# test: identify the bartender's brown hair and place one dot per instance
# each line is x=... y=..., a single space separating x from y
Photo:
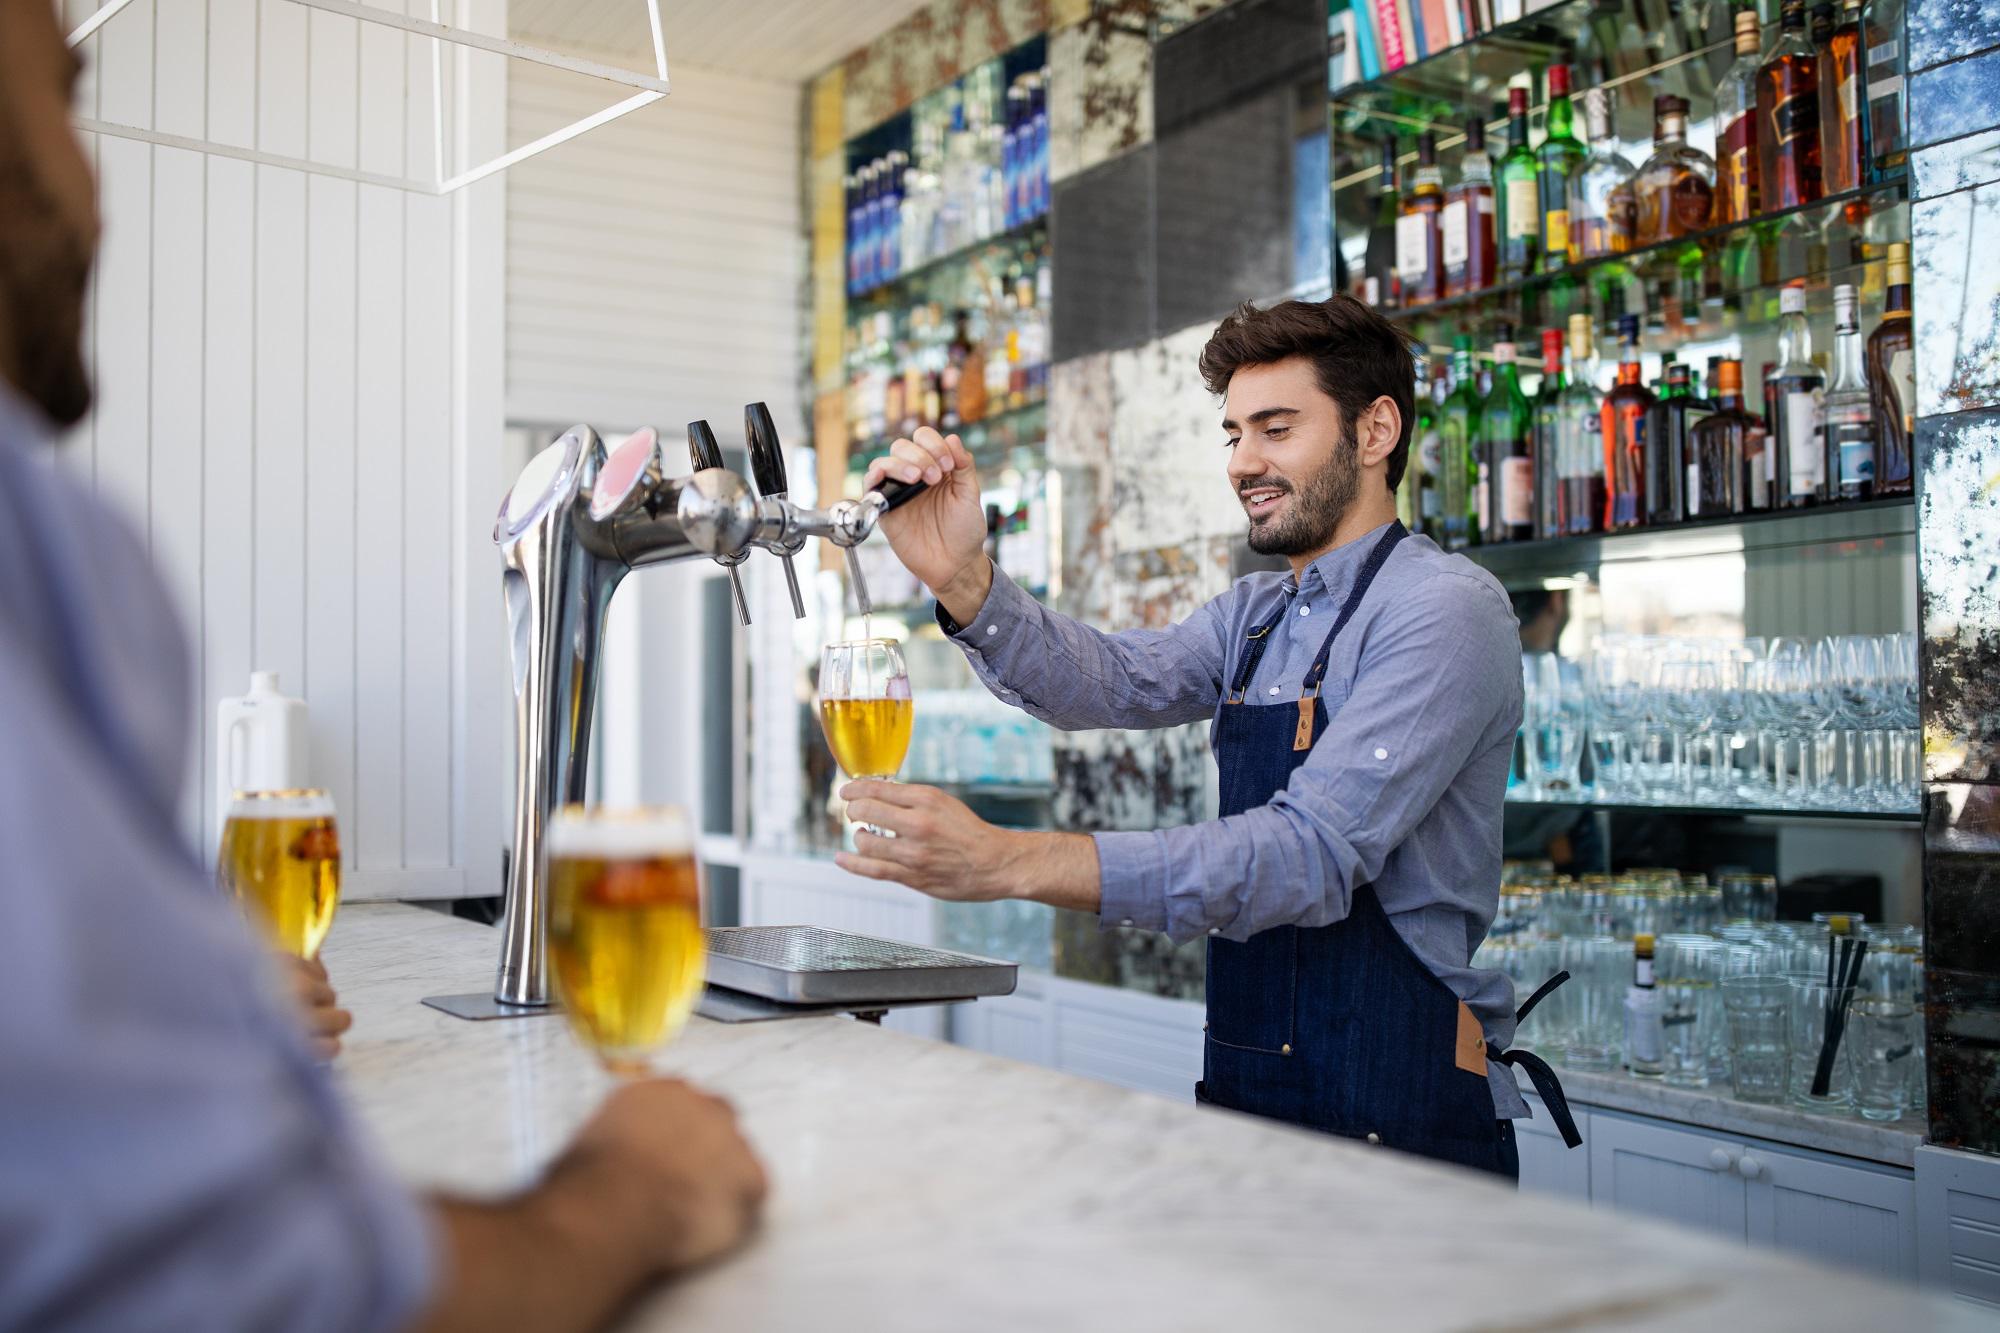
x=1359 y=357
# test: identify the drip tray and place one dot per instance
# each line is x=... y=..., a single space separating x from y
x=834 y=971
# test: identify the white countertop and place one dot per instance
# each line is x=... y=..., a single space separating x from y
x=922 y=1186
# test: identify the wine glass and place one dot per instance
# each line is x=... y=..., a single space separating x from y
x=280 y=859
x=1617 y=706
x=1685 y=686
x=1560 y=715
x=866 y=707
x=1865 y=698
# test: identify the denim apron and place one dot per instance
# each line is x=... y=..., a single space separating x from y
x=1342 y=1028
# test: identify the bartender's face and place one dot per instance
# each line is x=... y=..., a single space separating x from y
x=1293 y=461
x=48 y=215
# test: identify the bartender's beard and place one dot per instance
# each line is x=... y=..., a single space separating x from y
x=1317 y=505
x=44 y=276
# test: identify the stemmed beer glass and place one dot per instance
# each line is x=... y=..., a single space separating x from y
x=280 y=858
x=866 y=706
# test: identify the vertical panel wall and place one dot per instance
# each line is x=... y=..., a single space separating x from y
x=292 y=414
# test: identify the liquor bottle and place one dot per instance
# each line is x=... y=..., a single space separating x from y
x=1519 y=224
x=1378 y=266
x=1602 y=210
x=1760 y=479
x=1466 y=225
x=1719 y=449
x=1674 y=415
x=1580 y=438
x=1887 y=139
x=1417 y=497
x=1507 y=448
x=1843 y=120
x=1892 y=382
x=1645 y=1032
x=1013 y=143
x=853 y=188
x=1548 y=436
x=1788 y=137
x=1820 y=31
x=1038 y=142
x=1623 y=417
x=889 y=224
x=1798 y=467
x=1850 y=417
x=1419 y=254
x=1458 y=471
x=1676 y=186
x=1559 y=159
x=1736 y=119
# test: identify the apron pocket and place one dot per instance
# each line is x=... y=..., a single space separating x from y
x=1253 y=991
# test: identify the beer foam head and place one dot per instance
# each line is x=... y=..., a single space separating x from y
x=290 y=803
x=619 y=835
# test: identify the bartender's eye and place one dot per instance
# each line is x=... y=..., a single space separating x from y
x=1232 y=441
x=1278 y=432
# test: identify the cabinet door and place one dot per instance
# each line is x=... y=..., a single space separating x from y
x=1677 y=1175
x=1858 y=1217
x=1548 y=1165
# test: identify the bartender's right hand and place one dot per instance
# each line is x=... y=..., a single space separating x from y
x=941 y=535
x=676 y=1152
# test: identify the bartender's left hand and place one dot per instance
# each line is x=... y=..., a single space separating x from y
x=940 y=846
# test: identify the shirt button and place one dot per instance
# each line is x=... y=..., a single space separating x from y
x=1305 y=610
x=1374 y=1138
x=1274 y=689
x=1126 y=922
x=1213 y=930
x=992 y=630
x=1381 y=753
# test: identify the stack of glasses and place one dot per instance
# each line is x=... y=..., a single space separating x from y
x=1795 y=724
x=1823 y=1014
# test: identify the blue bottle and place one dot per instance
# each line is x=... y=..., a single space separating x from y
x=1038 y=120
x=890 y=225
x=853 y=233
x=1014 y=148
x=871 y=219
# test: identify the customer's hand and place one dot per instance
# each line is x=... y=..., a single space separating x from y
x=319 y=1007
x=941 y=535
x=676 y=1153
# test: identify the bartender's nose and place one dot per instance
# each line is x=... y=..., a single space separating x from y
x=1246 y=460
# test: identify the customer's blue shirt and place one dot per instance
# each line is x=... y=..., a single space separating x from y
x=1403 y=790
x=170 y=1155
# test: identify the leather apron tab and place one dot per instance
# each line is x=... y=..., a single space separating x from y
x=1303 y=738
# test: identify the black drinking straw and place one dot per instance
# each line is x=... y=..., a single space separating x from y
x=1851 y=953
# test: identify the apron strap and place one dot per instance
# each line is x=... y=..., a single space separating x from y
x=1377 y=556
x=1260 y=639
x=1541 y=993
x=1546 y=1086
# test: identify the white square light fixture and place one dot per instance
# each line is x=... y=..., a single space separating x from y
x=652 y=87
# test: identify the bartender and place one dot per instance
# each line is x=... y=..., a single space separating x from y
x=1363 y=712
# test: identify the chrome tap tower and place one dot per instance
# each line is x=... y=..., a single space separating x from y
x=576 y=520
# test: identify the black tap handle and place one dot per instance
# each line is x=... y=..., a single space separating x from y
x=767 y=459
x=896 y=494
x=703 y=451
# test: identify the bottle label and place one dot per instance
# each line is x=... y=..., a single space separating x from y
x=1694 y=489
x=1483 y=507
x=1736 y=170
x=1517 y=491
x=1430 y=453
x=1806 y=464
x=1371 y=290
x=1523 y=210
x=1455 y=239
x=1555 y=231
x=1850 y=98
x=1854 y=444
x=1795 y=118
x=1903 y=384
x=1412 y=245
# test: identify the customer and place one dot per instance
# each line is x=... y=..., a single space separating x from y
x=171 y=1155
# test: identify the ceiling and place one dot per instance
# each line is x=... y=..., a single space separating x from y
x=785 y=40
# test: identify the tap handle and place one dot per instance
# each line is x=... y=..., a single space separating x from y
x=767 y=459
x=705 y=453
x=895 y=494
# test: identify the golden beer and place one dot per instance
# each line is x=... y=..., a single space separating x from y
x=280 y=856
x=868 y=737
x=625 y=941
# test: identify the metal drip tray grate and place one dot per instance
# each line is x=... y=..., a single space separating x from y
x=812 y=965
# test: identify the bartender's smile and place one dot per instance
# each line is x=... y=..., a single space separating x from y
x=1262 y=499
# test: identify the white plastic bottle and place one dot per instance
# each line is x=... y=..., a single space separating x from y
x=260 y=744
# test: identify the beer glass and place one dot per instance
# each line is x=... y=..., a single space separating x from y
x=280 y=857
x=625 y=943
x=865 y=706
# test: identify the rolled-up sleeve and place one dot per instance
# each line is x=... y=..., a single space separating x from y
x=1438 y=680
x=1076 y=678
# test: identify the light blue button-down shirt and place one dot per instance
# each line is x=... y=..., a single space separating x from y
x=1403 y=790
x=170 y=1156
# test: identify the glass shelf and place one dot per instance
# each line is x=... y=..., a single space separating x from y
x=1478 y=67
x=1911 y=816
x=1026 y=425
x=900 y=290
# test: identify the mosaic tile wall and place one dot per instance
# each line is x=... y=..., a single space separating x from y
x=1955 y=228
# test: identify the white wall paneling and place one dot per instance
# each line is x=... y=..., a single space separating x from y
x=1958 y=1225
x=299 y=401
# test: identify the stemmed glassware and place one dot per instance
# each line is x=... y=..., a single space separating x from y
x=866 y=707
x=1687 y=685
x=1617 y=676
x=1557 y=719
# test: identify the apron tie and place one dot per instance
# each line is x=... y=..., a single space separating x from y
x=1544 y=1078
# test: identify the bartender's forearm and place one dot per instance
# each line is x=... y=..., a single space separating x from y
x=1059 y=869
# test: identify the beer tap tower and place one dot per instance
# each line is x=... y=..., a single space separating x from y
x=577 y=519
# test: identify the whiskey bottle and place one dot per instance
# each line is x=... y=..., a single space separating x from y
x=1623 y=419
x=1720 y=448
x=1602 y=211
x=1419 y=257
x=1466 y=225
x=1560 y=158
x=1788 y=133
x=1378 y=266
x=1850 y=419
x=1887 y=139
x=1580 y=438
x=1676 y=186
x=1507 y=440
x=1842 y=111
x=1798 y=394
x=1892 y=383
x=1519 y=224
x=1458 y=471
x=1548 y=436
x=1736 y=122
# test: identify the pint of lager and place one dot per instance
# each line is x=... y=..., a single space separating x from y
x=280 y=856
x=625 y=942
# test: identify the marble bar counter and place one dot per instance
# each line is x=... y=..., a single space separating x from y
x=922 y=1186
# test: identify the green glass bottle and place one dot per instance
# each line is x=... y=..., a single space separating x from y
x=1561 y=157
x=1507 y=451
x=1417 y=496
x=1518 y=218
x=1548 y=434
x=1458 y=470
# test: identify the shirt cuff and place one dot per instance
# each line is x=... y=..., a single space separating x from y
x=1003 y=605
x=1132 y=880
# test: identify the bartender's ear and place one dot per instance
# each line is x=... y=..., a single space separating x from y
x=1376 y=430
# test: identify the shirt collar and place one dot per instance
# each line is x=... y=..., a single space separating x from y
x=1334 y=573
x=21 y=422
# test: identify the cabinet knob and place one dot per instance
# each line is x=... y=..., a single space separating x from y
x=1720 y=1160
x=1749 y=1167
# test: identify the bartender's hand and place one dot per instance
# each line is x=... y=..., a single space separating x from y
x=320 y=1008
x=945 y=850
x=941 y=535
